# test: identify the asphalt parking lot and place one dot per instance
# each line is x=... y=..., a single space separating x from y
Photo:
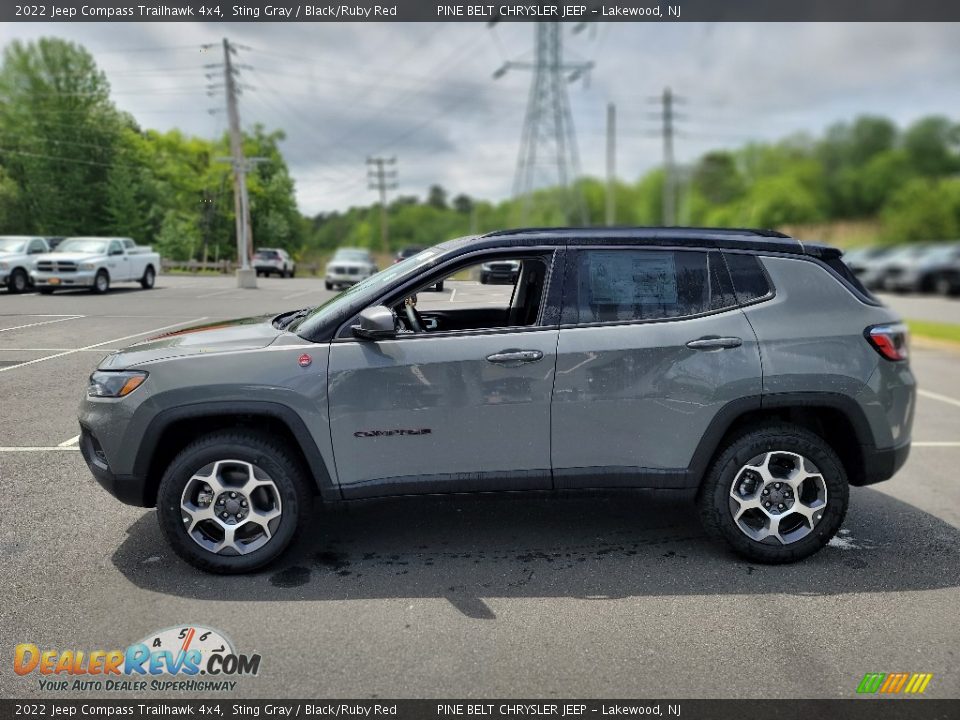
x=616 y=596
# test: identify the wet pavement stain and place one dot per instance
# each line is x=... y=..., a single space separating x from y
x=291 y=577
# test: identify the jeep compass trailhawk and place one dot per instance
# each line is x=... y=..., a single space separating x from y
x=744 y=368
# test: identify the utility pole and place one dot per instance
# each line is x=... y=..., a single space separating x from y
x=611 y=163
x=668 y=117
x=246 y=277
x=381 y=179
x=548 y=144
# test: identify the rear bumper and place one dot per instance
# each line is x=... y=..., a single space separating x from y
x=881 y=464
x=129 y=489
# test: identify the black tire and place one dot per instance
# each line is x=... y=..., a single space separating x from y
x=484 y=279
x=18 y=282
x=149 y=278
x=262 y=450
x=439 y=286
x=101 y=283
x=328 y=285
x=714 y=501
x=293 y=272
x=45 y=290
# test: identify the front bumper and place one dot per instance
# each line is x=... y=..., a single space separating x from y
x=129 y=489
x=81 y=278
x=344 y=279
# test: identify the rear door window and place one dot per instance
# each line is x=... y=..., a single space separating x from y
x=628 y=285
x=749 y=280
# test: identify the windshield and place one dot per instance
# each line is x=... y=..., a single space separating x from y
x=351 y=255
x=367 y=287
x=82 y=245
x=12 y=244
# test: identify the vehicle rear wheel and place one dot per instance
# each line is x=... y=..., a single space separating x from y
x=101 y=283
x=775 y=494
x=293 y=272
x=439 y=286
x=18 y=281
x=232 y=501
x=944 y=287
x=149 y=278
x=328 y=285
x=484 y=279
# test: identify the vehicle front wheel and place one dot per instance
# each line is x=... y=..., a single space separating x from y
x=149 y=278
x=232 y=501
x=328 y=285
x=775 y=494
x=18 y=282
x=101 y=283
x=439 y=286
x=484 y=279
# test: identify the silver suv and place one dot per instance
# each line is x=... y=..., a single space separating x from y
x=743 y=369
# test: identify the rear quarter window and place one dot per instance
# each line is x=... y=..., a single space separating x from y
x=750 y=282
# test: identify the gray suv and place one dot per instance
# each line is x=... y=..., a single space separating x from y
x=743 y=369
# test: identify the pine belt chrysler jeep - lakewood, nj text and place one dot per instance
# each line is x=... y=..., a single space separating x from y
x=743 y=368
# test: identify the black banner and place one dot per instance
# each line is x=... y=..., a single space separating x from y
x=480 y=11
x=774 y=709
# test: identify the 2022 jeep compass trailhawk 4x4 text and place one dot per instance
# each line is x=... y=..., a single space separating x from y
x=744 y=368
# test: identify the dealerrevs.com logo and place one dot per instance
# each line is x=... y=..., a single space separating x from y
x=894 y=683
x=187 y=658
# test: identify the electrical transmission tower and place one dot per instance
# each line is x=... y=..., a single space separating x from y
x=381 y=179
x=548 y=145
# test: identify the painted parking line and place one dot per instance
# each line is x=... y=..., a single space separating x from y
x=937 y=396
x=44 y=322
x=311 y=291
x=218 y=292
x=102 y=344
x=54 y=448
x=934 y=444
x=72 y=441
x=56 y=350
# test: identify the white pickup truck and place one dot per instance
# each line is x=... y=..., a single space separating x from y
x=95 y=263
x=18 y=257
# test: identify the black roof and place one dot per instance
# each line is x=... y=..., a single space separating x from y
x=730 y=238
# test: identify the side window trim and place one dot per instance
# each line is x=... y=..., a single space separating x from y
x=555 y=257
x=570 y=316
x=771 y=288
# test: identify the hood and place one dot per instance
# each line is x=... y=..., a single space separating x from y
x=217 y=337
x=348 y=263
x=69 y=256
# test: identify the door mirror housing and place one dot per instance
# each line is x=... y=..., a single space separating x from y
x=376 y=323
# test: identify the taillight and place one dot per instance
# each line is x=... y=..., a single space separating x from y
x=889 y=340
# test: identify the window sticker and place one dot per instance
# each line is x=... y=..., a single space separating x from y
x=637 y=278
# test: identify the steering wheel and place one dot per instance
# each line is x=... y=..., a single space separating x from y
x=414 y=320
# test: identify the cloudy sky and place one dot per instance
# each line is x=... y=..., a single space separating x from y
x=425 y=92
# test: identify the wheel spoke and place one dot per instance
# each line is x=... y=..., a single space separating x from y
x=197 y=515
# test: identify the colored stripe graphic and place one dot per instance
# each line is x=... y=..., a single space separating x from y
x=894 y=683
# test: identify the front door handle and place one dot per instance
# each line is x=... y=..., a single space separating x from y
x=513 y=358
x=715 y=343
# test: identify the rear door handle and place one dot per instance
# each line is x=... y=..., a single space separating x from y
x=715 y=343
x=513 y=358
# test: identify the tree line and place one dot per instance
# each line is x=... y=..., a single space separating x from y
x=72 y=163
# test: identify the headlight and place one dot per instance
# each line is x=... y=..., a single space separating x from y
x=87 y=266
x=115 y=384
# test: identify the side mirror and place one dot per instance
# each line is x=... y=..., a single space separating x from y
x=116 y=252
x=376 y=323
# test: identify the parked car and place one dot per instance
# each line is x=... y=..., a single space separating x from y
x=409 y=252
x=95 y=263
x=348 y=267
x=880 y=268
x=626 y=358
x=859 y=260
x=921 y=272
x=504 y=272
x=18 y=257
x=274 y=261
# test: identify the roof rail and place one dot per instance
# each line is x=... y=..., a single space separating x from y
x=761 y=232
